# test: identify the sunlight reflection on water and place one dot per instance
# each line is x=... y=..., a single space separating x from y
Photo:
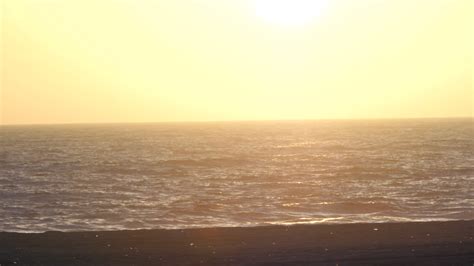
x=108 y=177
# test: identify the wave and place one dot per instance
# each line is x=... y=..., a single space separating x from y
x=208 y=162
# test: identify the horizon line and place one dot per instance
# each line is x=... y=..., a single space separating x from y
x=232 y=121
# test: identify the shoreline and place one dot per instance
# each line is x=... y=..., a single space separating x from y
x=421 y=243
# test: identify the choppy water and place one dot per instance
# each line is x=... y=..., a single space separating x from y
x=107 y=177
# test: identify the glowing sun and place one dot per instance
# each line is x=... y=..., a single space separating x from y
x=290 y=12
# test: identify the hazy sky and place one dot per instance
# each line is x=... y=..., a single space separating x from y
x=67 y=61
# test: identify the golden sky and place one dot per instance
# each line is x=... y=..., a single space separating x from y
x=76 y=61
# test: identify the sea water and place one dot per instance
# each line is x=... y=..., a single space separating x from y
x=183 y=175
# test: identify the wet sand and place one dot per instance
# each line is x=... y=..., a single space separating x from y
x=430 y=243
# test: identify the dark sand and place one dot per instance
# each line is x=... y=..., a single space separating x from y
x=432 y=243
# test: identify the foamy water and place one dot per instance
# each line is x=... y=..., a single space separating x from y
x=108 y=177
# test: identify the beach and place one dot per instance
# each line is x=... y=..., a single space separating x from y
x=259 y=132
x=423 y=243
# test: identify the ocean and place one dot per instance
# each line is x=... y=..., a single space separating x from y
x=225 y=174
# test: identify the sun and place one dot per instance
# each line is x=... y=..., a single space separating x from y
x=290 y=12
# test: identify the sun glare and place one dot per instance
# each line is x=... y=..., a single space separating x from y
x=289 y=12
